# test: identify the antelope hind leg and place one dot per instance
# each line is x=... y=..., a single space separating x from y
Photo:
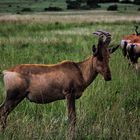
x=13 y=98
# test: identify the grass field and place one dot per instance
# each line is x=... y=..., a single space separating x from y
x=15 y=6
x=107 y=110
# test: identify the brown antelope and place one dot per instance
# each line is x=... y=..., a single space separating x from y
x=130 y=45
x=133 y=53
x=47 y=83
x=132 y=38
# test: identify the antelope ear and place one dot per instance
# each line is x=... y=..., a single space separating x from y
x=94 y=49
x=131 y=50
x=97 y=52
x=124 y=45
x=111 y=50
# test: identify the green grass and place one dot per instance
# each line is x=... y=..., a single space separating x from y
x=16 y=6
x=107 y=110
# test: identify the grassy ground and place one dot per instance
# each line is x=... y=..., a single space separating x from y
x=106 y=111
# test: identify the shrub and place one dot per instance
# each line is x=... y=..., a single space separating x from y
x=92 y=3
x=113 y=7
x=137 y=2
x=26 y=9
x=18 y=12
x=126 y=1
x=85 y=7
x=53 y=9
x=73 y=4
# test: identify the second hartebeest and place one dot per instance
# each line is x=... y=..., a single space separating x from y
x=130 y=45
x=42 y=83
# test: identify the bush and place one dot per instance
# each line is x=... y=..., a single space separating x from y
x=93 y=4
x=137 y=2
x=126 y=1
x=26 y=9
x=85 y=7
x=53 y=9
x=112 y=7
x=18 y=12
x=106 y=1
x=73 y=5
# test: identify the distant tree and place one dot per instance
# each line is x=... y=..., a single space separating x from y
x=113 y=7
x=103 y=1
x=92 y=3
x=125 y=1
x=76 y=4
x=73 y=4
x=137 y=2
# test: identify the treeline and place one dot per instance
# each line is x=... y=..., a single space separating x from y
x=88 y=4
x=123 y=1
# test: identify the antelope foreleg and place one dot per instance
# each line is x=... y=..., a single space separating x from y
x=70 y=97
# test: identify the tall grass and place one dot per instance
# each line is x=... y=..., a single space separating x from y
x=107 y=110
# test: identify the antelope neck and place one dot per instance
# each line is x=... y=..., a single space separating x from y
x=88 y=70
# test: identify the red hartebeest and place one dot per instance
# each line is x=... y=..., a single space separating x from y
x=47 y=83
x=130 y=45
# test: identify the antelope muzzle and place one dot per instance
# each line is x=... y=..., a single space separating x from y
x=108 y=76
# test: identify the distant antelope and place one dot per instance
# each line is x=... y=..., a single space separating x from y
x=130 y=45
x=47 y=83
x=132 y=38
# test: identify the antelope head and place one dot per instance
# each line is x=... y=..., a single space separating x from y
x=102 y=54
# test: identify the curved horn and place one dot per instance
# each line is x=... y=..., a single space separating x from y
x=104 y=32
x=108 y=37
x=100 y=44
x=100 y=34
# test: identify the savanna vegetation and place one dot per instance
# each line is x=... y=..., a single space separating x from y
x=107 y=110
x=32 y=6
